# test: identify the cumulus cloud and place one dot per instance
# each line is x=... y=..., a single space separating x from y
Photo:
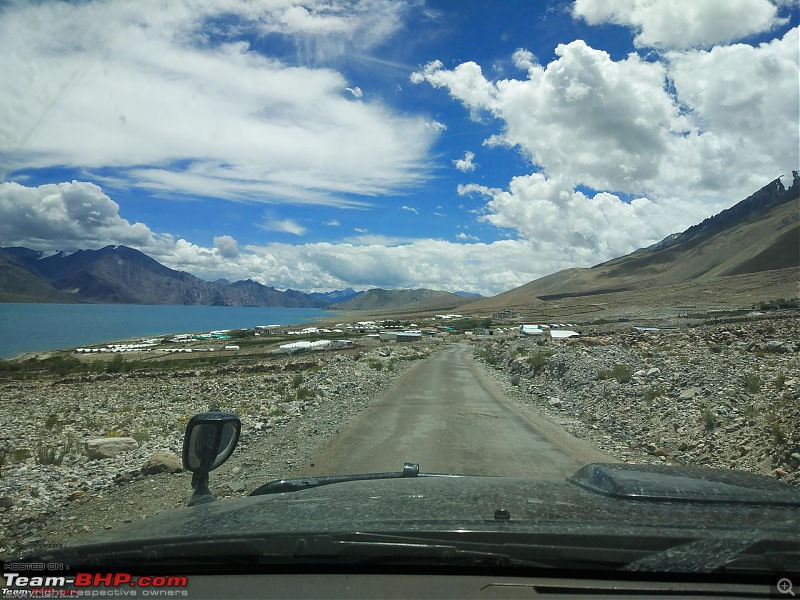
x=681 y=24
x=685 y=135
x=410 y=209
x=465 y=165
x=108 y=85
x=744 y=103
x=67 y=216
x=226 y=246
x=607 y=122
x=562 y=224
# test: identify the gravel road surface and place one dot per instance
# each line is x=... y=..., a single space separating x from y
x=448 y=417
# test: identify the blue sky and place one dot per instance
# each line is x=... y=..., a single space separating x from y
x=320 y=145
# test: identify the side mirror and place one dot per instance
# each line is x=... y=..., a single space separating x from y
x=209 y=441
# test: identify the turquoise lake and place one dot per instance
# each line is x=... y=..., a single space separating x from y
x=40 y=327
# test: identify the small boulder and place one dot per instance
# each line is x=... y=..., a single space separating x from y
x=162 y=462
x=109 y=447
x=690 y=393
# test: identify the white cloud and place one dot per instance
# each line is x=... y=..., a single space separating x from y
x=226 y=246
x=284 y=226
x=689 y=134
x=67 y=216
x=466 y=237
x=375 y=239
x=109 y=85
x=745 y=105
x=356 y=91
x=562 y=225
x=70 y=216
x=410 y=209
x=360 y=230
x=603 y=123
x=465 y=165
x=679 y=24
x=332 y=223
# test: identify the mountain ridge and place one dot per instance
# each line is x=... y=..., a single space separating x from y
x=758 y=234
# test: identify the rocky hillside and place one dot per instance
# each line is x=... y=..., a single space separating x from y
x=722 y=395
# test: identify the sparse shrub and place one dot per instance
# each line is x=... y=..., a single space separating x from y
x=621 y=373
x=752 y=382
x=115 y=365
x=602 y=375
x=112 y=434
x=47 y=454
x=780 y=381
x=778 y=432
x=277 y=411
x=708 y=417
x=303 y=393
x=538 y=360
x=141 y=436
x=297 y=380
x=51 y=422
x=20 y=455
x=780 y=303
x=652 y=392
x=375 y=364
x=515 y=380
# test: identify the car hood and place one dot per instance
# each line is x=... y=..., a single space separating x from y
x=618 y=498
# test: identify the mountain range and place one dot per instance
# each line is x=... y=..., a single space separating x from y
x=118 y=274
x=760 y=234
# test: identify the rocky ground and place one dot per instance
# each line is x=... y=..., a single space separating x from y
x=722 y=395
x=60 y=478
x=718 y=394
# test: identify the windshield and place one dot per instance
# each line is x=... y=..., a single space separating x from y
x=492 y=239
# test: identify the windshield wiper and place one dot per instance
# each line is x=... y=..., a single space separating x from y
x=300 y=549
x=281 y=486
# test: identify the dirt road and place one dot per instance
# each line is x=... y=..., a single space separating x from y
x=446 y=415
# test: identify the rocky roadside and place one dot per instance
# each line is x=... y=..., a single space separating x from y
x=90 y=452
x=720 y=395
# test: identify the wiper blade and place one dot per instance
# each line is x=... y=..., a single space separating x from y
x=297 y=549
x=281 y=486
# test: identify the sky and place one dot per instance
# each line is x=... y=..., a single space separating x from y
x=450 y=144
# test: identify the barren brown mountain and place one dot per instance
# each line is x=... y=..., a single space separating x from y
x=746 y=254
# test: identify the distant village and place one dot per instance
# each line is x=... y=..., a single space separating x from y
x=324 y=338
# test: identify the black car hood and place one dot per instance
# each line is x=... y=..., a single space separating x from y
x=618 y=498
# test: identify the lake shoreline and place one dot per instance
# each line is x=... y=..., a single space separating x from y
x=42 y=328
